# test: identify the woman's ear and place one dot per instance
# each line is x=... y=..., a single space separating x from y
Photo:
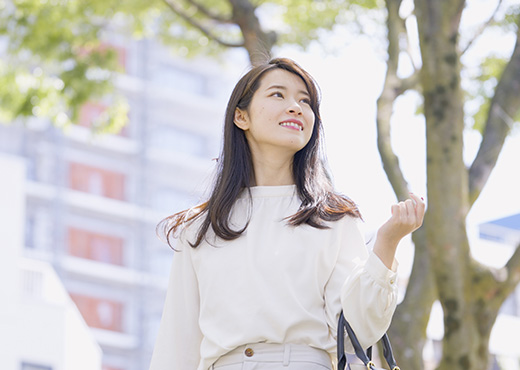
x=241 y=119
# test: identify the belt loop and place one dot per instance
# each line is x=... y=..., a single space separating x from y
x=286 y=354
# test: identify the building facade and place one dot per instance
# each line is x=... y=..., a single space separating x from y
x=92 y=202
x=42 y=328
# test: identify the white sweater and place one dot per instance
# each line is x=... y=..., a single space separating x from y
x=276 y=283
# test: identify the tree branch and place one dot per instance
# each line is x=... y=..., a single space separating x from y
x=482 y=28
x=386 y=101
x=217 y=17
x=408 y=83
x=504 y=105
x=181 y=13
x=504 y=281
x=257 y=42
x=513 y=270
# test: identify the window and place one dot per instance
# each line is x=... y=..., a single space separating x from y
x=39 y=228
x=97 y=181
x=95 y=246
x=29 y=366
x=100 y=313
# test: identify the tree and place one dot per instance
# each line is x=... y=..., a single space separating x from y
x=47 y=64
x=470 y=294
x=55 y=60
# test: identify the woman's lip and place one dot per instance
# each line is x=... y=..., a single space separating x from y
x=298 y=122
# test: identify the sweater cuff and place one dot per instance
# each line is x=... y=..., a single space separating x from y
x=380 y=273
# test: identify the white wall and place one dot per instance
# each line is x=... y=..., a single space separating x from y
x=12 y=207
x=38 y=320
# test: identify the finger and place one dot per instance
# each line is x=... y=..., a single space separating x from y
x=403 y=212
x=410 y=211
x=420 y=206
x=410 y=208
x=395 y=210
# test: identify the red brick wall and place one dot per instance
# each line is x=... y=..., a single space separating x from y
x=89 y=112
x=95 y=246
x=100 y=313
x=96 y=181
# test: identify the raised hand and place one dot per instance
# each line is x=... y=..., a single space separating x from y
x=406 y=217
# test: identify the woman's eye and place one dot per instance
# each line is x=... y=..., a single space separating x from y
x=306 y=101
x=277 y=94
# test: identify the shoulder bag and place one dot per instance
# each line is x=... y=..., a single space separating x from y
x=365 y=357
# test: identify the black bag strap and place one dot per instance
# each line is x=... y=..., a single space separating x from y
x=365 y=357
x=342 y=357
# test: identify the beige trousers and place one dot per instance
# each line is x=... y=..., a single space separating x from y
x=265 y=356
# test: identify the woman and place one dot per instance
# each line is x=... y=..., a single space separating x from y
x=263 y=269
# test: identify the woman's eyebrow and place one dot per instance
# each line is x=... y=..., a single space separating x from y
x=280 y=87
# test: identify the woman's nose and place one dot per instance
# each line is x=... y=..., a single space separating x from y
x=295 y=108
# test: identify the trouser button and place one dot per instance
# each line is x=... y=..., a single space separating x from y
x=249 y=352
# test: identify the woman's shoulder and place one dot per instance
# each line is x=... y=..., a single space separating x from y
x=182 y=226
x=346 y=222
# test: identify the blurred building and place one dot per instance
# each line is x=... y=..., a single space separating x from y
x=500 y=237
x=41 y=328
x=91 y=203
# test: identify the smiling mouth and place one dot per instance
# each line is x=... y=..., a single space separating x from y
x=292 y=125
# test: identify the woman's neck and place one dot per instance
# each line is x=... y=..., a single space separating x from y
x=272 y=170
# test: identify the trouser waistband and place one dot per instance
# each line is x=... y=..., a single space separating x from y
x=268 y=352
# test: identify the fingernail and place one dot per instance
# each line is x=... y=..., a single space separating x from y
x=422 y=198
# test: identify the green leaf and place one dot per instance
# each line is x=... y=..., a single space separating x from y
x=481 y=89
x=57 y=59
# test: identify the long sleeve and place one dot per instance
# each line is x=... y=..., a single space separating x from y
x=372 y=286
x=362 y=286
x=178 y=341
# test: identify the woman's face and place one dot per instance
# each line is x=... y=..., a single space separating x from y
x=279 y=117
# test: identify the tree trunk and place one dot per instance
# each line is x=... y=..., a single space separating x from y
x=448 y=204
x=257 y=42
x=408 y=330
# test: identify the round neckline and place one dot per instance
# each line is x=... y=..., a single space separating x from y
x=270 y=191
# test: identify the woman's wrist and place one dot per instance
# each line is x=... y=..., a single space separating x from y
x=385 y=249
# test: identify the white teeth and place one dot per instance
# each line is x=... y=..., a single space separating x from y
x=292 y=124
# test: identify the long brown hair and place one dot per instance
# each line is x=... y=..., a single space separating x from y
x=319 y=201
